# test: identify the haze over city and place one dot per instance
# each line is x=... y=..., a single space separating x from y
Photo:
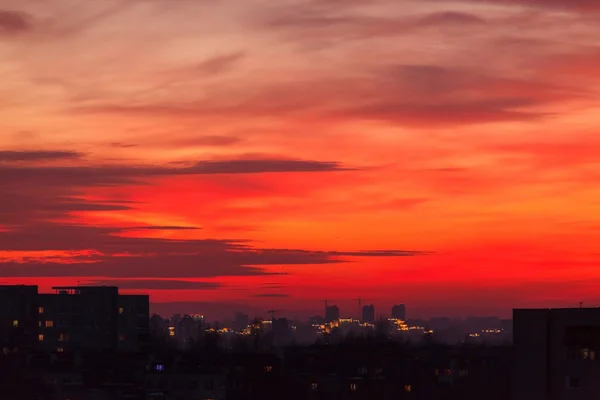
x=250 y=155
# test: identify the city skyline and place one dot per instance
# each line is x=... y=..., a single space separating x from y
x=221 y=156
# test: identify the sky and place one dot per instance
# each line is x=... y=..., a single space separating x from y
x=259 y=154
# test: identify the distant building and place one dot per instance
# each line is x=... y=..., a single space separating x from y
x=332 y=313
x=368 y=314
x=75 y=318
x=187 y=331
x=556 y=354
x=159 y=327
x=282 y=332
x=240 y=321
x=399 y=312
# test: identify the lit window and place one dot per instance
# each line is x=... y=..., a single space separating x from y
x=40 y=324
x=60 y=350
x=314 y=386
x=408 y=388
x=268 y=368
x=63 y=337
x=41 y=310
x=121 y=310
x=121 y=337
x=353 y=387
x=41 y=337
x=15 y=323
x=160 y=367
x=49 y=324
x=171 y=331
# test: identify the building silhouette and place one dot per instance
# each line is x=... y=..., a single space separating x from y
x=18 y=316
x=556 y=353
x=332 y=313
x=368 y=314
x=73 y=318
x=240 y=321
x=399 y=312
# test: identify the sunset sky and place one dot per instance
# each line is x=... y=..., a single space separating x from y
x=257 y=154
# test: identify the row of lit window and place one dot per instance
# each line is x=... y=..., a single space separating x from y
x=354 y=387
x=64 y=337
x=47 y=324
x=41 y=310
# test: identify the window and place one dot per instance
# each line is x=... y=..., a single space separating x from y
x=408 y=388
x=41 y=337
x=353 y=387
x=60 y=350
x=268 y=368
x=314 y=386
x=16 y=323
x=40 y=324
x=159 y=367
x=121 y=310
x=121 y=337
x=63 y=337
x=574 y=382
x=41 y=310
x=49 y=324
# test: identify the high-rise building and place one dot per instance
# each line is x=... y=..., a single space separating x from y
x=240 y=321
x=19 y=316
x=332 y=313
x=556 y=354
x=75 y=318
x=134 y=320
x=79 y=317
x=282 y=332
x=399 y=312
x=368 y=314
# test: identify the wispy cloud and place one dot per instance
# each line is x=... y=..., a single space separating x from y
x=13 y=22
x=156 y=284
x=38 y=155
x=271 y=295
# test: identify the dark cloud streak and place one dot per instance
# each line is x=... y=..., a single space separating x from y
x=13 y=22
x=157 y=284
x=38 y=155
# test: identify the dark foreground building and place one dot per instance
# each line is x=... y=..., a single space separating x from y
x=75 y=318
x=556 y=354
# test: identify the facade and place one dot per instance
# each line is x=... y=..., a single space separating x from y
x=368 y=314
x=556 y=354
x=399 y=312
x=73 y=318
x=18 y=316
x=78 y=317
x=134 y=323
